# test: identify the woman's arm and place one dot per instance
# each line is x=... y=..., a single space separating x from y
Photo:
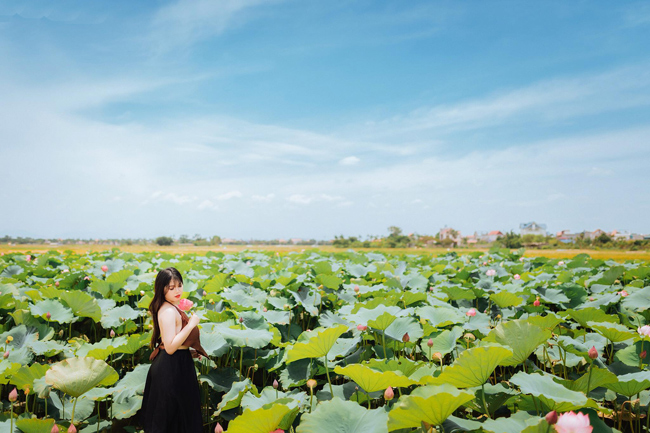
x=167 y=323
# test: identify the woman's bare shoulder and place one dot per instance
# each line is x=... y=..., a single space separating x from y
x=167 y=312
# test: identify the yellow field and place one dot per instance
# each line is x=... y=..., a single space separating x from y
x=620 y=256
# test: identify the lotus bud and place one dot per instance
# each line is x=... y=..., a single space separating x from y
x=389 y=394
x=537 y=303
x=591 y=298
x=48 y=315
x=141 y=292
x=26 y=391
x=437 y=356
x=491 y=272
x=205 y=293
x=85 y=278
x=430 y=342
x=112 y=333
x=265 y=309
x=56 y=284
x=561 y=263
x=361 y=327
x=28 y=258
x=55 y=429
x=241 y=320
x=623 y=293
x=517 y=277
x=471 y=312
x=593 y=353
x=311 y=384
x=643 y=354
x=320 y=287
x=104 y=268
x=406 y=338
x=5 y=355
x=65 y=270
x=551 y=417
x=273 y=292
x=218 y=428
x=275 y=384
x=286 y=306
x=13 y=395
x=431 y=289
x=356 y=289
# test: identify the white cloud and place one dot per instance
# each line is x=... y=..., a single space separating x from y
x=229 y=195
x=207 y=204
x=300 y=199
x=263 y=198
x=349 y=160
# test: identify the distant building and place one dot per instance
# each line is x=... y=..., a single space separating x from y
x=450 y=233
x=566 y=237
x=593 y=235
x=532 y=228
x=471 y=239
x=619 y=235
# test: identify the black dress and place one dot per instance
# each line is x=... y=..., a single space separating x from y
x=171 y=402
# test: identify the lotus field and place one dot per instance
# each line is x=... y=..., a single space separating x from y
x=341 y=342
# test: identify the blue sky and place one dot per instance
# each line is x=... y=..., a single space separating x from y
x=265 y=119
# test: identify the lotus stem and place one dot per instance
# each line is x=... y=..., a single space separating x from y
x=73 y=407
x=99 y=415
x=11 y=424
x=241 y=359
x=383 y=341
x=485 y=406
x=368 y=397
x=591 y=367
x=327 y=371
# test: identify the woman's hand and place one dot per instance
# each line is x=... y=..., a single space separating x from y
x=194 y=320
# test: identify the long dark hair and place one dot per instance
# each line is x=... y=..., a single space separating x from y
x=160 y=288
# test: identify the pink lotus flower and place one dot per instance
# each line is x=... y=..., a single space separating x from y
x=517 y=277
x=644 y=331
x=185 y=304
x=356 y=289
x=275 y=384
x=13 y=395
x=406 y=338
x=86 y=278
x=591 y=298
x=48 y=315
x=561 y=263
x=112 y=333
x=104 y=268
x=65 y=270
x=571 y=422
x=490 y=272
x=265 y=309
x=536 y=303
x=55 y=429
x=521 y=259
x=278 y=431
x=484 y=263
x=56 y=284
x=623 y=293
x=471 y=312
x=218 y=428
x=72 y=429
x=430 y=342
x=362 y=327
x=593 y=353
x=5 y=355
x=28 y=258
x=389 y=394
x=205 y=293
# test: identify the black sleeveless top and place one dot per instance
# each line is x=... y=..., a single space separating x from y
x=192 y=340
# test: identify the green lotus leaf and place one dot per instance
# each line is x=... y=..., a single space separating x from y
x=519 y=422
x=599 y=377
x=127 y=408
x=58 y=312
x=262 y=420
x=550 y=321
x=82 y=304
x=440 y=316
x=506 y=299
x=365 y=315
x=329 y=281
x=26 y=375
x=382 y=322
x=591 y=314
x=213 y=342
x=630 y=384
x=404 y=325
x=235 y=336
x=443 y=341
x=75 y=376
x=342 y=416
x=432 y=404
x=317 y=346
x=552 y=394
x=473 y=367
x=403 y=365
x=521 y=336
x=117 y=316
x=233 y=397
x=134 y=343
x=34 y=425
x=371 y=380
x=638 y=300
x=612 y=331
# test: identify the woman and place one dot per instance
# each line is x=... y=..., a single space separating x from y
x=171 y=402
